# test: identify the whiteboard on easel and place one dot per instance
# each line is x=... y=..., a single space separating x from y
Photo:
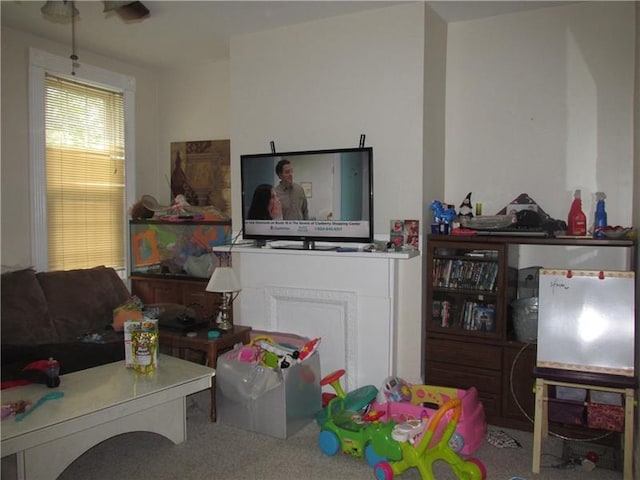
x=586 y=321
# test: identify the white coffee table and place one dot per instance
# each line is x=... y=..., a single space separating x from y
x=99 y=403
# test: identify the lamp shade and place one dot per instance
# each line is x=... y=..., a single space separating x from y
x=223 y=280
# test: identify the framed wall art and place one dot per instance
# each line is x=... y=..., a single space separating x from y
x=201 y=171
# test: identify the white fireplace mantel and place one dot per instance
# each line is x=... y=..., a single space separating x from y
x=348 y=299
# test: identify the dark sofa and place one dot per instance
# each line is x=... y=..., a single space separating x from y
x=48 y=314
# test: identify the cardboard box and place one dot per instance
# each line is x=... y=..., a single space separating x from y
x=273 y=401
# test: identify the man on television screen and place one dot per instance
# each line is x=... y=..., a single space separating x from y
x=292 y=197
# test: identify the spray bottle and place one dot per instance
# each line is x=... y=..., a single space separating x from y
x=577 y=221
x=601 y=216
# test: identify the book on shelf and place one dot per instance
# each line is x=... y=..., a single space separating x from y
x=478 y=316
x=484 y=319
x=464 y=274
x=467 y=315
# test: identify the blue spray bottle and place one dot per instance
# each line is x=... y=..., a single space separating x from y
x=601 y=216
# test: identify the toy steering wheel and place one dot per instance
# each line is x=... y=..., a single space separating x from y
x=333 y=379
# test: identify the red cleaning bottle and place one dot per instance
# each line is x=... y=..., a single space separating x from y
x=577 y=221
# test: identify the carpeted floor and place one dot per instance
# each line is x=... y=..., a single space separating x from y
x=218 y=451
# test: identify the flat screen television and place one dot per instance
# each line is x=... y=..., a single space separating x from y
x=336 y=186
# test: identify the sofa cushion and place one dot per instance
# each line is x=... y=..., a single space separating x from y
x=73 y=356
x=25 y=316
x=82 y=301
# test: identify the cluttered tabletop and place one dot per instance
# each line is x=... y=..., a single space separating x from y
x=524 y=218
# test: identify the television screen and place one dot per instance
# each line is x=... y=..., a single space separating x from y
x=321 y=195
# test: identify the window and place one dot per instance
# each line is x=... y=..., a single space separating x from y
x=81 y=136
x=84 y=135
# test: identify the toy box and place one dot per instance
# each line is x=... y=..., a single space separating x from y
x=274 y=401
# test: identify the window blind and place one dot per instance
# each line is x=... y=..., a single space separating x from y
x=85 y=170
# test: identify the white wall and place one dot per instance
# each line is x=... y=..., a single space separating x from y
x=542 y=102
x=16 y=194
x=434 y=113
x=195 y=106
x=320 y=85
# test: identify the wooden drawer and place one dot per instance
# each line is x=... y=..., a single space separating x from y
x=522 y=362
x=491 y=404
x=487 y=382
x=448 y=375
x=464 y=354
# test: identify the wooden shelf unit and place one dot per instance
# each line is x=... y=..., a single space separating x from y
x=188 y=291
x=462 y=354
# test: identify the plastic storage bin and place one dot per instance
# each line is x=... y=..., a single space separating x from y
x=273 y=401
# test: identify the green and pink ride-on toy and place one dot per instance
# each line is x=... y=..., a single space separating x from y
x=402 y=401
x=347 y=427
x=393 y=436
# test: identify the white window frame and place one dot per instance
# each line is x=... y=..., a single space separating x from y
x=40 y=63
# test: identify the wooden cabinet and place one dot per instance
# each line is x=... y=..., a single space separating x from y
x=469 y=289
x=518 y=394
x=184 y=291
x=468 y=333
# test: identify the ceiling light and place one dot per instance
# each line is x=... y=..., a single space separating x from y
x=59 y=10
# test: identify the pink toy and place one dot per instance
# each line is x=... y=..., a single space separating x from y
x=425 y=400
x=422 y=445
x=249 y=354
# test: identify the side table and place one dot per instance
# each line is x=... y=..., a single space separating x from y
x=179 y=343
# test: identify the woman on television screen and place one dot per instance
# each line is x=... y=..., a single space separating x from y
x=265 y=204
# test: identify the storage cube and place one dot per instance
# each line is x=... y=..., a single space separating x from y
x=276 y=402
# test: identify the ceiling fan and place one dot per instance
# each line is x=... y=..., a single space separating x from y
x=62 y=11
x=127 y=10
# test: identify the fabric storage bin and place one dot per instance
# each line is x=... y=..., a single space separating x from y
x=605 y=417
x=569 y=413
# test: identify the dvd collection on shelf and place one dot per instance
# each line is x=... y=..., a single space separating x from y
x=469 y=315
x=464 y=274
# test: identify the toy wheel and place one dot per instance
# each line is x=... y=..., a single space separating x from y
x=372 y=457
x=480 y=469
x=329 y=443
x=383 y=471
